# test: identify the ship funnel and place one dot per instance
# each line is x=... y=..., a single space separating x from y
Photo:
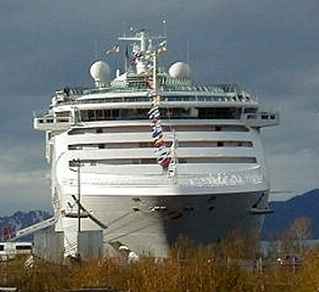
x=101 y=73
x=180 y=70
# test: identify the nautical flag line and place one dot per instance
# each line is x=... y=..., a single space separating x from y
x=162 y=152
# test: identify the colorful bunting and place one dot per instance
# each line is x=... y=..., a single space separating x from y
x=162 y=152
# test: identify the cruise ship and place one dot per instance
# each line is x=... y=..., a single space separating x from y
x=150 y=154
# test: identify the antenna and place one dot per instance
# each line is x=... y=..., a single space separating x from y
x=124 y=24
x=164 y=22
x=188 y=52
x=95 y=50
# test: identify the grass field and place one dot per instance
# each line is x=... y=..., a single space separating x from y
x=231 y=265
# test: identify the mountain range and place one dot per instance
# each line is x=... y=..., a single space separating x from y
x=20 y=220
x=285 y=212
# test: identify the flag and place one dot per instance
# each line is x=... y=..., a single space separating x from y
x=138 y=54
x=160 y=142
x=157 y=127
x=156 y=99
x=162 y=50
x=161 y=148
x=156 y=122
x=162 y=151
x=155 y=115
x=158 y=137
x=149 y=84
x=165 y=162
x=156 y=132
x=163 y=43
x=115 y=49
x=162 y=154
x=162 y=47
x=162 y=157
x=153 y=109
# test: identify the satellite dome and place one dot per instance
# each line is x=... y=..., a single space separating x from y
x=180 y=70
x=100 y=71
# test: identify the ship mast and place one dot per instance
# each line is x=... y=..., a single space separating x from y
x=145 y=58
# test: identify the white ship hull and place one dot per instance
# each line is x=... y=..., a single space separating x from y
x=149 y=213
x=149 y=230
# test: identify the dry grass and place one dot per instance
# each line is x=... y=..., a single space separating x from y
x=207 y=268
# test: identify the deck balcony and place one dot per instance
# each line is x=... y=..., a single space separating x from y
x=48 y=122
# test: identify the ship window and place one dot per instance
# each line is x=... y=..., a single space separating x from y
x=84 y=115
x=91 y=115
x=234 y=128
x=172 y=98
x=62 y=114
x=75 y=147
x=62 y=120
x=1 y=247
x=166 y=113
x=250 y=110
x=190 y=160
x=251 y=117
x=218 y=160
x=23 y=247
x=181 y=144
x=99 y=130
x=197 y=144
x=100 y=115
x=219 y=113
x=166 y=128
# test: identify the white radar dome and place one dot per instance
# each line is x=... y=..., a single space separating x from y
x=100 y=71
x=180 y=70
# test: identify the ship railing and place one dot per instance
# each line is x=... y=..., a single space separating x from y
x=47 y=121
x=165 y=98
x=40 y=114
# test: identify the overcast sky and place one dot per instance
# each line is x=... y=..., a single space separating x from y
x=269 y=46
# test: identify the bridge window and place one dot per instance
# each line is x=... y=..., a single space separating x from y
x=166 y=113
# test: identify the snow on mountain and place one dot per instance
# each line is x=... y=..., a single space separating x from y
x=19 y=220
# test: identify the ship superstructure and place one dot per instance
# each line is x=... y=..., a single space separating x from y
x=155 y=155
